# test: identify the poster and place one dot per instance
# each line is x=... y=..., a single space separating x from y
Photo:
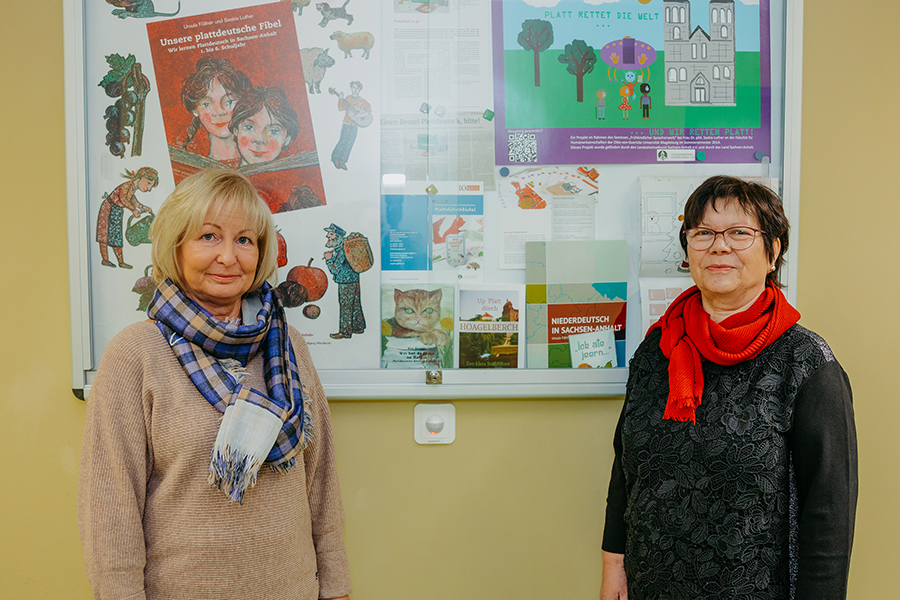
x=232 y=95
x=631 y=81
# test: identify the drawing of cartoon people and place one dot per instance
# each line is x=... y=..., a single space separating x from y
x=601 y=105
x=351 y=318
x=357 y=113
x=264 y=124
x=625 y=92
x=109 y=218
x=210 y=94
x=645 y=100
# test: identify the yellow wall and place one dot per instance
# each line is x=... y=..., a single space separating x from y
x=512 y=509
x=848 y=279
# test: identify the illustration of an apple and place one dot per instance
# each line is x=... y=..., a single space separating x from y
x=312 y=278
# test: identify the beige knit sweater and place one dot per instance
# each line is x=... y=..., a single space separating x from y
x=154 y=529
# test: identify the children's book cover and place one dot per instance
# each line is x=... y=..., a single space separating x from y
x=232 y=94
x=416 y=326
x=490 y=323
x=573 y=287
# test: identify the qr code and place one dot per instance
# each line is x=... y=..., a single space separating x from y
x=522 y=147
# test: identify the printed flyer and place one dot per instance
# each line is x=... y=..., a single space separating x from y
x=631 y=81
x=573 y=288
x=435 y=227
x=489 y=326
x=539 y=204
x=232 y=94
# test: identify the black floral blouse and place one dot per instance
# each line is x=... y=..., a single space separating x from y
x=757 y=499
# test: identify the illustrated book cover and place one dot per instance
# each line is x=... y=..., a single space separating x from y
x=573 y=287
x=416 y=326
x=232 y=94
x=490 y=322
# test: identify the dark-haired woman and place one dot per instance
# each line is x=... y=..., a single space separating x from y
x=735 y=453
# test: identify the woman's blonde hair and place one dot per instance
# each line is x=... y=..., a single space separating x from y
x=184 y=211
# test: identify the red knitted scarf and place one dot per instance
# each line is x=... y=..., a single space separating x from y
x=688 y=333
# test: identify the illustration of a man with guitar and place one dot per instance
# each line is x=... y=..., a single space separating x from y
x=357 y=113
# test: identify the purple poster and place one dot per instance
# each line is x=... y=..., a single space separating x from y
x=631 y=81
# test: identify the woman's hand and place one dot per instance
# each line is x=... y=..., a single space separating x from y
x=614 y=586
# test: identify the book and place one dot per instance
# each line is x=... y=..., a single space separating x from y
x=573 y=287
x=416 y=326
x=489 y=326
x=232 y=95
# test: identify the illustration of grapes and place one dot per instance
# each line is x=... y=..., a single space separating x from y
x=130 y=86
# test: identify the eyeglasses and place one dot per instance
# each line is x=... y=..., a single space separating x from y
x=738 y=238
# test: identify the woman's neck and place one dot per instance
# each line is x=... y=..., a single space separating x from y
x=229 y=313
x=719 y=310
x=226 y=315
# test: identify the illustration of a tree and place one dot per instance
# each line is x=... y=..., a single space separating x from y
x=537 y=36
x=580 y=59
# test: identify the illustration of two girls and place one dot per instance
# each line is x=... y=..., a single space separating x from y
x=244 y=124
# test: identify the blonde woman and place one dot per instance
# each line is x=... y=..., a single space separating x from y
x=207 y=469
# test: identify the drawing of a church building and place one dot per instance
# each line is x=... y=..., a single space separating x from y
x=699 y=65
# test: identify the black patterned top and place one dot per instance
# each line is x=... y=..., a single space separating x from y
x=756 y=500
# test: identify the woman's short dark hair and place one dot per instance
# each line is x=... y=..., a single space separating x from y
x=275 y=101
x=755 y=199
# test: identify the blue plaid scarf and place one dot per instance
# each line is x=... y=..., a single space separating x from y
x=257 y=427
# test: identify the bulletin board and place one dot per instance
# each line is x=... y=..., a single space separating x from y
x=474 y=198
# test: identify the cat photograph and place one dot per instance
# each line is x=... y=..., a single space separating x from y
x=417 y=313
x=416 y=327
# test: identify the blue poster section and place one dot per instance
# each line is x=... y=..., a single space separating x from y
x=406 y=226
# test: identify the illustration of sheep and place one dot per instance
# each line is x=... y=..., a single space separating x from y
x=351 y=41
x=314 y=62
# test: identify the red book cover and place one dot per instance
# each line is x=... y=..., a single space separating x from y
x=231 y=90
x=585 y=317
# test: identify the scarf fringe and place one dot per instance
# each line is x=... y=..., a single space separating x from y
x=234 y=368
x=679 y=411
x=234 y=473
x=306 y=438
